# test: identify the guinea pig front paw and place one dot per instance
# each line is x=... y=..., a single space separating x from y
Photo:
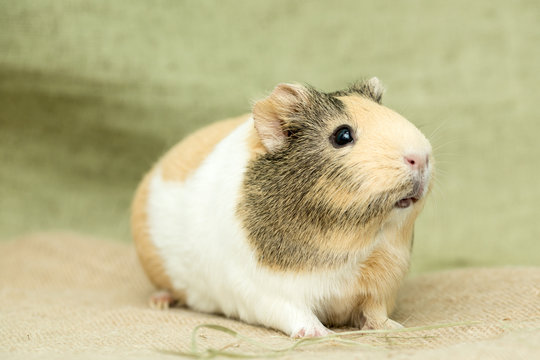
x=310 y=331
x=386 y=324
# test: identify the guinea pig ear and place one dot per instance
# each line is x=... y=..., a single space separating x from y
x=271 y=115
x=375 y=88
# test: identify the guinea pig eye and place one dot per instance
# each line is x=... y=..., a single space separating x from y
x=342 y=136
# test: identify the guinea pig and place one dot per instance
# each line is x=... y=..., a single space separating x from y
x=298 y=216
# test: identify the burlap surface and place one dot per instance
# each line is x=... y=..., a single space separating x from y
x=67 y=296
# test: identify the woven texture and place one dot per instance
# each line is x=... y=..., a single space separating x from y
x=65 y=294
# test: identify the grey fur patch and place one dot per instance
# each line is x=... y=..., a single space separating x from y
x=286 y=220
x=371 y=89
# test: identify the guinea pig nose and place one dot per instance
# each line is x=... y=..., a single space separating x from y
x=416 y=161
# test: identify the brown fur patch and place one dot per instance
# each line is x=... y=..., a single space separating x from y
x=179 y=162
x=381 y=274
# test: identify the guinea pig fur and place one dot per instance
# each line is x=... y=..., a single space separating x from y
x=297 y=217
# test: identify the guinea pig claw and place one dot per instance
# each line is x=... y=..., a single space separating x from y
x=161 y=300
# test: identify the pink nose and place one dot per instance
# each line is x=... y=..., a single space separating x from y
x=417 y=161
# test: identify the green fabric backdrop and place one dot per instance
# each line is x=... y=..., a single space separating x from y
x=92 y=92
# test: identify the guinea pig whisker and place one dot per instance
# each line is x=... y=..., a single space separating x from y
x=437 y=130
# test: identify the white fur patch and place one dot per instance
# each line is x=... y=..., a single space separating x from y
x=205 y=251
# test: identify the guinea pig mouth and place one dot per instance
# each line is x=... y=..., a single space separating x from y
x=406 y=202
x=412 y=197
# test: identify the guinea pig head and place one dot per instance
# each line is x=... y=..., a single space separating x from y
x=336 y=167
